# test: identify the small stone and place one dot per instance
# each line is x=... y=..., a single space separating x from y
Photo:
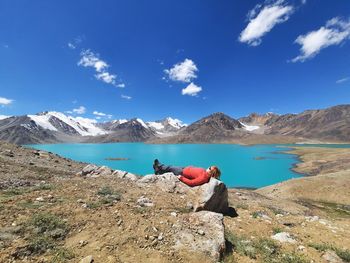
x=40 y=199
x=154 y=242
x=120 y=221
x=174 y=214
x=84 y=205
x=301 y=248
x=160 y=237
x=201 y=232
x=83 y=243
x=88 y=259
x=81 y=201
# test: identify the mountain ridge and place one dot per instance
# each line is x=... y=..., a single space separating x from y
x=321 y=125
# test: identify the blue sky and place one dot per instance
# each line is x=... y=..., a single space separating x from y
x=186 y=59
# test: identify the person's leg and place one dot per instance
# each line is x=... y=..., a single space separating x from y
x=161 y=168
x=169 y=169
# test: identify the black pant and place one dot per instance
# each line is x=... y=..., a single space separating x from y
x=162 y=168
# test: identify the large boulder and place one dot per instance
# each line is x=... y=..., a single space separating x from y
x=125 y=175
x=92 y=170
x=212 y=196
x=167 y=182
x=205 y=233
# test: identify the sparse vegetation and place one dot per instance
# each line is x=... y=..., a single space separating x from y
x=29 y=204
x=344 y=254
x=277 y=230
x=62 y=255
x=43 y=187
x=264 y=249
x=46 y=223
x=242 y=206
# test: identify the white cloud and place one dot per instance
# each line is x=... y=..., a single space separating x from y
x=80 y=110
x=262 y=19
x=75 y=43
x=71 y=45
x=5 y=101
x=90 y=59
x=99 y=113
x=339 y=81
x=192 y=90
x=126 y=97
x=121 y=85
x=106 y=77
x=2 y=117
x=335 y=32
x=183 y=72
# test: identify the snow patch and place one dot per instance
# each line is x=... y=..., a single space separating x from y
x=121 y=121
x=142 y=123
x=250 y=127
x=89 y=125
x=155 y=125
x=43 y=121
x=175 y=122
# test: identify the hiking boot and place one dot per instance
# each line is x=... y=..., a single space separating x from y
x=156 y=166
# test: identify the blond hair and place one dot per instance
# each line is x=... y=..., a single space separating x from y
x=215 y=172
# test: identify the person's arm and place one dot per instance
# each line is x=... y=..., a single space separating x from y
x=199 y=180
x=192 y=172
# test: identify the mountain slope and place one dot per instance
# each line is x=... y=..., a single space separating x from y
x=332 y=124
x=216 y=127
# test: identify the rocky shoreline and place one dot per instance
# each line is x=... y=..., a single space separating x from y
x=51 y=212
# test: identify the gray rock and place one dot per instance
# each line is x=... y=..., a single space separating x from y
x=104 y=171
x=332 y=257
x=284 y=237
x=212 y=196
x=125 y=175
x=212 y=243
x=167 y=182
x=88 y=259
x=92 y=170
x=89 y=169
x=144 y=201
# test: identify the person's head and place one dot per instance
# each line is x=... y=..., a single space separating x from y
x=214 y=171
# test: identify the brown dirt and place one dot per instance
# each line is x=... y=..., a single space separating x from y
x=122 y=232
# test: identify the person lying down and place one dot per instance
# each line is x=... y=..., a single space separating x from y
x=192 y=176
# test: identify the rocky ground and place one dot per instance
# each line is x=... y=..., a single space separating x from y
x=51 y=212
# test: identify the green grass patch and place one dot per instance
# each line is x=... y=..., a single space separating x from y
x=61 y=255
x=49 y=224
x=30 y=204
x=262 y=249
x=40 y=245
x=344 y=254
x=43 y=187
x=334 y=210
x=242 y=206
x=14 y=191
x=277 y=230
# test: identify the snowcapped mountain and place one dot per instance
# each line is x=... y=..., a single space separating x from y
x=52 y=127
x=57 y=121
x=165 y=127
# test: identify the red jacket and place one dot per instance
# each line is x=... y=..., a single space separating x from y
x=194 y=176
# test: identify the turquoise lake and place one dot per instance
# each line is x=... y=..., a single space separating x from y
x=241 y=166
